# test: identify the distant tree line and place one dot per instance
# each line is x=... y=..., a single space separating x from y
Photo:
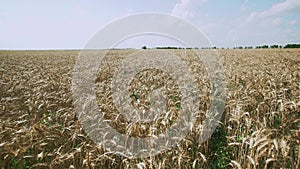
x=292 y=46
x=169 y=47
x=279 y=46
x=173 y=47
x=269 y=46
x=239 y=47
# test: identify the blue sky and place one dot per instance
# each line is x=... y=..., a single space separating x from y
x=34 y=24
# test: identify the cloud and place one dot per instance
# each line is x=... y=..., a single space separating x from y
x=288 y=6
x=185 y=8
x=269 y=26
x=244 y=6
x=279 y=9
x=129 y=10
x=293 y=22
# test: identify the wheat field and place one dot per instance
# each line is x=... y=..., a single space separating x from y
x=259 y=128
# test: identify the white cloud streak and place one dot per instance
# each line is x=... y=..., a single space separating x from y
x=244 y=6
x=286 y=7
x=268 y=26
x=185 y=8
x=293 y=22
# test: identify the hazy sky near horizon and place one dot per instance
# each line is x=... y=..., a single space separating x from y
x=34 y=24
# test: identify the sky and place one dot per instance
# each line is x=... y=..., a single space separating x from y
x=69 y=24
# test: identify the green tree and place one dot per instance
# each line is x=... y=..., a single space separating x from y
x=292 y=46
